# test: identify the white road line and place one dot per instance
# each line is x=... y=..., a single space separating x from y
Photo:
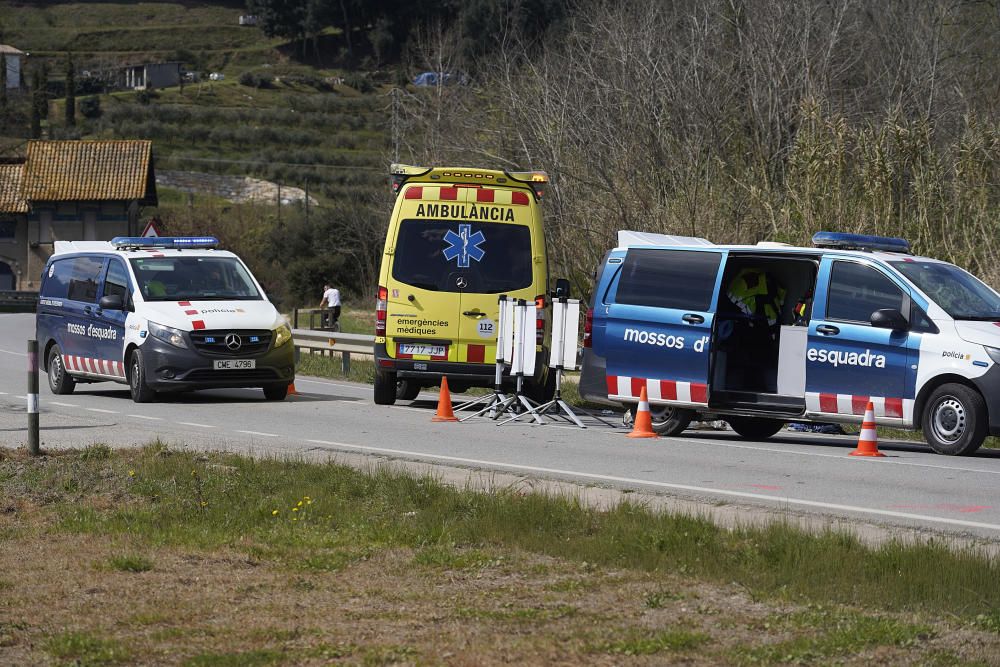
x=357 y=387
x=842 y=457
x=110 y=412
x=64 y=405
x=265 y=435
x=145 y=417
x=666 y=485
x=3 y=393
x=196 y=424
x=16 y=354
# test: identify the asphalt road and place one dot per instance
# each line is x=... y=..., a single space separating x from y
x=798 y=474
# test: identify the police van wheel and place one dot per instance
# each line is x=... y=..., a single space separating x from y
x=666 y=420
x=60 y=381
x=407 y=390
x=385 y=388
x=141 y=392
x=954 y=420
x=276 y=392
x=755 y=428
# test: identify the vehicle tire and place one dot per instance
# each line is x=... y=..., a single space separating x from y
x=755 y=428
x=276 y=392
x=954 y=420
x=667 y=420
x=407 y=390
x=60 y=381
x=141 y=392
x=385 y=387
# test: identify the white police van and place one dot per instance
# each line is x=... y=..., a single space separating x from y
x=159 y=314
x=767 y=334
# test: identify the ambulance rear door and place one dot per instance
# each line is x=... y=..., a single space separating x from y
x=660 y=310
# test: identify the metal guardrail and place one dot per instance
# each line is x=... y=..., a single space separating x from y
x=309 y=318
x=334 y=341
x=18 y=302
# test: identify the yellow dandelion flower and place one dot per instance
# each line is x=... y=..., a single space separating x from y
x=309 y=502
x=274 y=512
x=295 y=518
x=295 y=509
x=131 y=473
x=204 y=503
x=300 y=503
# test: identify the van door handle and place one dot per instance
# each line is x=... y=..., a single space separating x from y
x=86 y=309
x=474 y=313
x=827 y=330
x=691 y=318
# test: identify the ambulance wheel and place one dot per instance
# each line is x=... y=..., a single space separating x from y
x=755 y=428
x=666 y=420
x=407 y=390
x=60 y=381
x=954 y=420
x=275 y=392
x=141 y=392
x=385 y=387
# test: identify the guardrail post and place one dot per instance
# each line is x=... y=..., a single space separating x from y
x=33 y=448
x=295 y=318
x=345 y=361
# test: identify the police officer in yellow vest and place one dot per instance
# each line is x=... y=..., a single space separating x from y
x=758 y=296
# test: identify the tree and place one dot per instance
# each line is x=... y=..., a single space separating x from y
x=70 y=92
x=36 y=95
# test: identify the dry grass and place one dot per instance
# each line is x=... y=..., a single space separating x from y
x=249 y=596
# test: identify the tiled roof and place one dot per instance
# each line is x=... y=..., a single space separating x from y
x=10 y=189
x=87 y=170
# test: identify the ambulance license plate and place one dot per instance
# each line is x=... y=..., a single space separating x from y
x=234 y=364
x=419 y=348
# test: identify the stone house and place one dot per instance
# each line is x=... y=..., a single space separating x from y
x=69 y=191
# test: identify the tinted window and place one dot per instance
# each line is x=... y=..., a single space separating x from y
x=958 y=292
x=56 y=279
x=678 y=279
x=116 y=284
x=489 y=257
x=194 y=279
x=86 y=273
x=857 y=291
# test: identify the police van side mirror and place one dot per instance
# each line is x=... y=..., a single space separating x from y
x=562 y=288
x=111 y=302
x=889 y=318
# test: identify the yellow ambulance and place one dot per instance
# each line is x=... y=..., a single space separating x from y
x=458 y=239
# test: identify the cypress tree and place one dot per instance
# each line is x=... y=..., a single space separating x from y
x=70 y=92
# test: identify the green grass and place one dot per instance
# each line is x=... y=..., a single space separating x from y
x=838 y=634
x=238 y=659
x=635 y=643
x=130 y=563
x=86 y=649
x=178 y=498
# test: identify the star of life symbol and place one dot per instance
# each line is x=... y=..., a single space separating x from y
x=464 y=245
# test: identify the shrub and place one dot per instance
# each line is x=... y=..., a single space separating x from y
x=90 y=107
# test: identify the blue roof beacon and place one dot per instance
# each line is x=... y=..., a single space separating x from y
x=174 y=242
x=845 y=241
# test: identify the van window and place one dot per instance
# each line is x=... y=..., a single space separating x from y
x=857 y=291
x=194 y=279
x=958 y=292
x=56 y=282
x=116 y=284
x=679 y=279
x=433 y=255
x=82 y=277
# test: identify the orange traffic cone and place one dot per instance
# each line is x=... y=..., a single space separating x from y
x=643 y=426
x=444 y=412
x=291 y=388
x=868 y=440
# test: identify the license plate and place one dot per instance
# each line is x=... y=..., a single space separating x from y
x=420 y=348
x=233 y=364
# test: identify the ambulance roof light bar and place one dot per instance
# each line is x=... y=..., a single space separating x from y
x=164 y=242
x=400 y=173
x=845 y=241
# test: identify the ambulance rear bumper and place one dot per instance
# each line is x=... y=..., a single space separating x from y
x=471 y=374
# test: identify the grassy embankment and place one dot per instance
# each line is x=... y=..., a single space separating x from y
x=174 y=557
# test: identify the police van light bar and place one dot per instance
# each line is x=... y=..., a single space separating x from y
x=177 y=242
x=844 y=241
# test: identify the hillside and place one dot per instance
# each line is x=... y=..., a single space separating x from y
x=270 y=116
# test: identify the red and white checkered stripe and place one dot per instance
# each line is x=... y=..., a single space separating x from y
x=626 y=388
x=103 y=367
x=189 y=311
x=483 y=195
x=851 y=404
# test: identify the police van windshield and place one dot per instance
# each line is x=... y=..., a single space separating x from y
x=447 y=256
x=959 y=293
x=193 y=279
